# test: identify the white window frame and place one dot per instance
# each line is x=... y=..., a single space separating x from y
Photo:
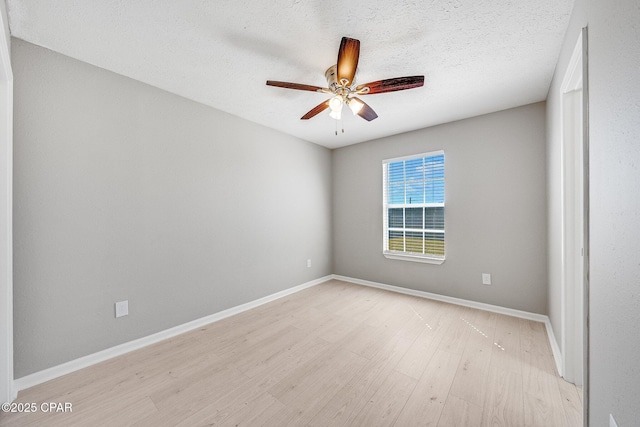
x=400 y=255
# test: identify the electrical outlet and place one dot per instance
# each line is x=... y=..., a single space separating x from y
x=486 y=278
x=122 y=308
x=309 y=263
x=612 y=422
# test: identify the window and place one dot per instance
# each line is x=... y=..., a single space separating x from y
x=413 y=208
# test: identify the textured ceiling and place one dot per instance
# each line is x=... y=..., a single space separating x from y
x=478 y=56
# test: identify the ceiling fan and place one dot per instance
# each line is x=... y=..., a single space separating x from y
x=343 y=88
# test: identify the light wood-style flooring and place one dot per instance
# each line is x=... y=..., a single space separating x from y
x=336 y=354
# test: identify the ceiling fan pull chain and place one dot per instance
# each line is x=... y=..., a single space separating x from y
x=341 y=126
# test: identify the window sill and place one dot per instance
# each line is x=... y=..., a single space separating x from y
x=413 y=258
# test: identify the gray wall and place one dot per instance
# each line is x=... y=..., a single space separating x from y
x=495 y=209
x=124 y=191
x=614 y=162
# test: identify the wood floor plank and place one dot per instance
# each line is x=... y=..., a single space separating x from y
x=188 y=395
x=310 y=387
x=426 y=314
x=242 y=413
x=391 y=311
x=366 y=340
x=364 y=307
x=284 y=353
x=348 y=402
x=482 y=329
x=240 y=340
x=503 y=400
x=279 y=368
x=455 y=338
x=473 y=369
x=335 y=354
x=506 y=352
x=424 y=406
x=416 y=359
x=126 y=414
x=286 y=417
x=385 y=405
x=542 y=399
x=486 y=321
x=458 y=412
x=339 y=294
x=571 y=402
x=426 y=308
x=332 y=328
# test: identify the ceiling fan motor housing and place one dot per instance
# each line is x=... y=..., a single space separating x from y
x=332 y=78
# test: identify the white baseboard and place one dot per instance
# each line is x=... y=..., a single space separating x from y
x=555 y=349
x=452 y=300
x=557 y=356
x=91 y=359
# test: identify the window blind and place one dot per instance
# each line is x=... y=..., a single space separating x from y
x=413 y=205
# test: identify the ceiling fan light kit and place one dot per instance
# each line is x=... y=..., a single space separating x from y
x=341 y=85
x=355 y=105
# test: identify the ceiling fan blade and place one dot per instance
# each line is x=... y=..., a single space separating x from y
x=296 y=86
x=366 y=112
x=316 y=110
x=392 y=85
x=348 y=59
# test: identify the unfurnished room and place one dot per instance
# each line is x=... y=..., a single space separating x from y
x=290 y=213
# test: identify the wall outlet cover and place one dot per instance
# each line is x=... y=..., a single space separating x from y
x=486 y=278
x=122 y=308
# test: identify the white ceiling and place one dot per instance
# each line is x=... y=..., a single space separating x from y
x=477 y=56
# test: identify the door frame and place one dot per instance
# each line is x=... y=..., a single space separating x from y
x=575 y=79
x=7 y=389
